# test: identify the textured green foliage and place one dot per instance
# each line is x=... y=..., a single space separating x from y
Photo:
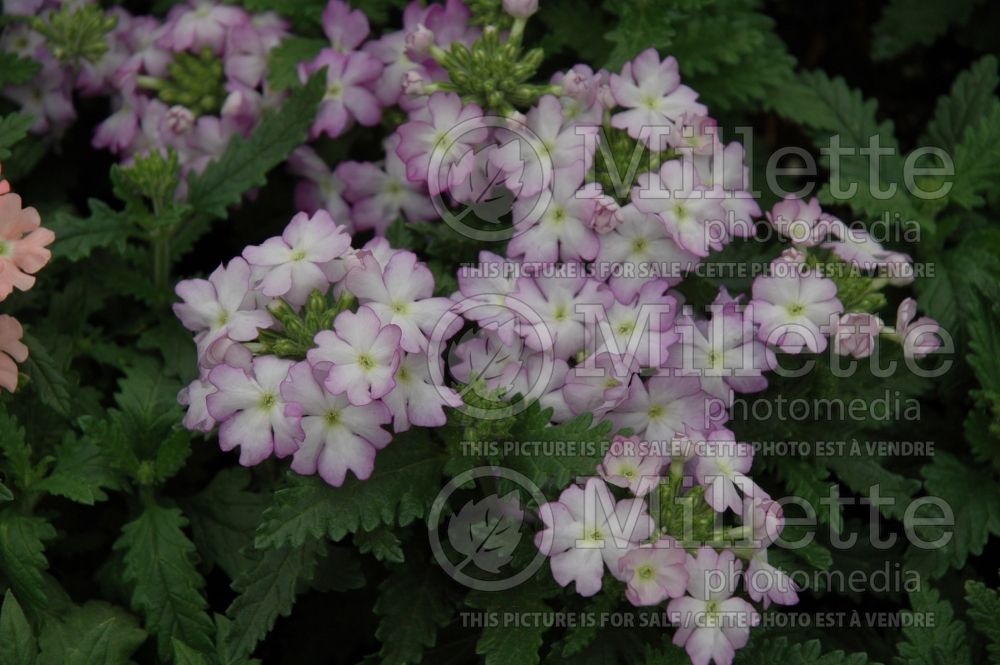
x=974 y=499
x=908 y=23
x=91 y=441
x=977 y=160
x=46 y=376
x=22 y=556
x=382 y=543
x=513 y=645
x=745 y=66
x=779 y=650
x=78 y=237
x=15 y=70
x=93 y=634
x=983 y=325
x=940 y=642
x=82 y=472
x=972 y=96
x=283 y=61
x=166 y=586
x=405 y=481
x=13 y=128
x=246 y=162
x=589 y=441
x=223 y=517
x=984 y=610
x=268 y=589
x=863 y=474
x=829 y=108
x=413 y=602
x=17 y=640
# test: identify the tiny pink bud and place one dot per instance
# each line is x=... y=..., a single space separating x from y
x=607 y=214
x=413 y=83
x=855 y=334
x=520 y=8
x=791 y=261
x=575 y=85
x=179 y=119
x=420 y=39
x=605 y=97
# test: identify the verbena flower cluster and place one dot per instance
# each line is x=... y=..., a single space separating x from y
x=23 y=252
x=188 y=82
x=326 y=407
x=318 y=346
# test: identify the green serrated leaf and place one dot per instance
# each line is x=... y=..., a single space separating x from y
x=17 y=641
x=382 y=543
x=94 y=634
x=984 y=610
x=974 y=499
x=185 y=655
x=166 y=586
x=907 y=23
x=935 y=637
x=15 y=70
x=16 y=451
x=223 y=518
x=406 y=479
x=283 y=61
x=977 y=160
x=78 y=237
x=589 y=441
x=828 y=107
x=22 y=555
x=13 y=128
x=864 y=474
x=972 y=96
x=512 y=645
x=771 y=651
x=246 y=162
x=267 y=590
x=82 y=472
x=412 y=604
x=46 y=377
x=746 y=66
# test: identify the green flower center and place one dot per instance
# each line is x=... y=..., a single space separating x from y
x=334 y=90
x=366 y=361
x=195 y=81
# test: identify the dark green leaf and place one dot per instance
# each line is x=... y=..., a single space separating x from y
x=406 y=479
x=166 y=586
x=246 y=162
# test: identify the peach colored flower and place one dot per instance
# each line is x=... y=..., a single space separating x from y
x=22 y=243
x=11 y=349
